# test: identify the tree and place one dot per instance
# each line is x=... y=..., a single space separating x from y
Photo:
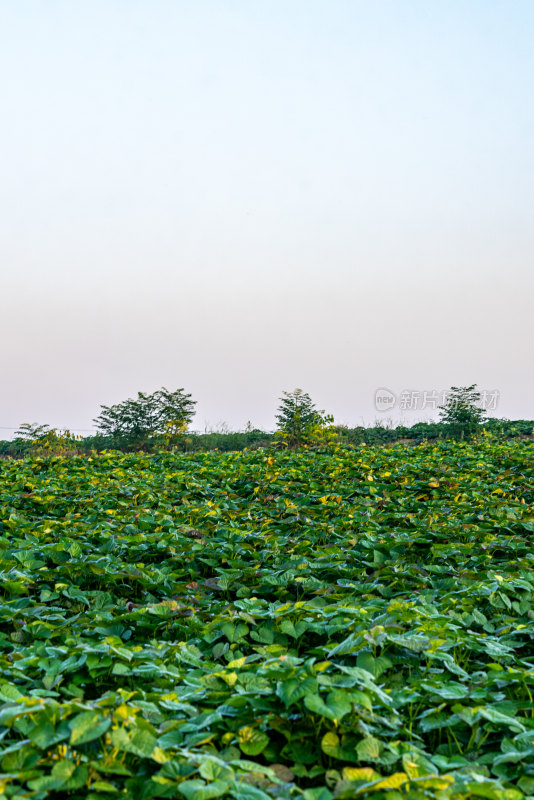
x=163 y=415
x=32 y=431
x=299 y=422
x=461 y=412
x=42 y=440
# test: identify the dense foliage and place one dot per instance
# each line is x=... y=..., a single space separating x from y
x=253 y=438
x=148 y=416
x=352 y=622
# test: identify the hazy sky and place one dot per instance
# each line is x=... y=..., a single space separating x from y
x=239 y=197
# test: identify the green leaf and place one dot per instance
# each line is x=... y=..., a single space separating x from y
x=45 y=783
x=120 y=669
x=329 y=743
x=317 y=793
x=331 y=746
x=369 y=749
x=292 y=690
x=335 y=707
x=252 y=741
x=449 y=691
x=244 y=791
x=139 y=742
x=213 y=769
x=87 y=726
x=63 y=770
x=492 y=791
x=235 y=632
x=44 y=735
x=295 y=630
x=198 y=790
x=376 y=666
x=360 y=698
x=526 y=784
x=493 y=715
x=349 y=645
x=9 y=692
x=103 y=786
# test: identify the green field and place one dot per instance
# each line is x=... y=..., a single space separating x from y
x=353 y=623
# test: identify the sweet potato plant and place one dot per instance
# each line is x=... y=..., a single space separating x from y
x=353 y=622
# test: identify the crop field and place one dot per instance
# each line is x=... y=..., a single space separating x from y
x=357 y=622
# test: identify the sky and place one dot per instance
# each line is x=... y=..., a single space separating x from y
x=240 y=198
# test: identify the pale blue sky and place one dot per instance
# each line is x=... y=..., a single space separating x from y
x=244 y=197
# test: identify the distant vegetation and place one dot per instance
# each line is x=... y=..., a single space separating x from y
x=160 y=421
x=152 y=419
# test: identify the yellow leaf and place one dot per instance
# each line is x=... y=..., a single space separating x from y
x=230 y=678
x=159 y=755
x=393 y=782
x=329 y=741
x=360 y=774
x=438 y=782
x=123 y=712
x=237 y=663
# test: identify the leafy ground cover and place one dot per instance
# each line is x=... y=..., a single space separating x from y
x=351 y=623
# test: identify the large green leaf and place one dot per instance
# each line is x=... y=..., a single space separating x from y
x=335 y=706
x=87 y=726
x=293 y=689
x=252 y=741
x=369 y=749
x=199 y=790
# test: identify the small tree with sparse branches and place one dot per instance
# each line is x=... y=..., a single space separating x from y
x=42 y=440
x=32 y=431
x=299 y=421
x=461 y=411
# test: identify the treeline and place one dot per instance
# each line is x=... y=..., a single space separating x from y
x=254 y=438
x=161 y=420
